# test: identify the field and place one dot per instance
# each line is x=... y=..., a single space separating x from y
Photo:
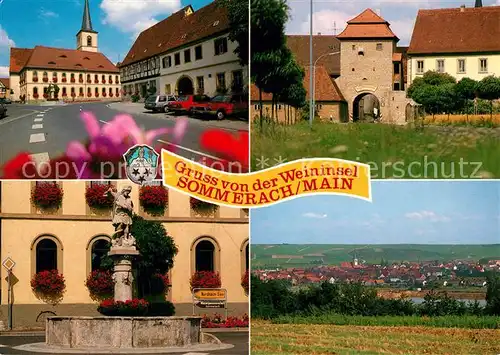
x=334 y=254
x=433 y=151
x=271 y=339
x=479 y=120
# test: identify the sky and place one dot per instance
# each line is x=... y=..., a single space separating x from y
x=415 y=212
x=333 y=14
x=54 y=23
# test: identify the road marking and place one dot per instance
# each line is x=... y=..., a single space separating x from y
x=37 y=138
x=7 y=120
x=183 y=148
x=38 y=119
x=40 y=158
x=196 y=354
x=37 y=126
x=39 y=115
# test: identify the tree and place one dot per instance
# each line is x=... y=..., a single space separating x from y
x=238 y=24
x=489 y=89
x=466 y=90
x=493 y=294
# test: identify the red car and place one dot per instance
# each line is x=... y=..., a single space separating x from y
x=185 y=103
x=223 y=105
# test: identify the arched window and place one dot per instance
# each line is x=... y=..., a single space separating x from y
x=247 y=257
x=111 y=79
x=103 y=78
x=99 y=251
x=205 y=256
x=88 y=78
x=104 y=91
x=116 y=79
x=46 y=255
x=35 y=74
x=64 y=92
x=35 y=91
x=110 y=91
x=89 y=41
x=45 y=75
x=64 y=75
x=97 y=90
x=244 y=256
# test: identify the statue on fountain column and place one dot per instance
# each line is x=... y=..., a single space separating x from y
x=123 y=208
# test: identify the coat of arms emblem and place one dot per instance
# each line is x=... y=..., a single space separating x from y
x=142 y=164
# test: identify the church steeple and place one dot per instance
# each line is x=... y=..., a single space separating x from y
x=87 y=21
x=86 y=38
x=479 y=3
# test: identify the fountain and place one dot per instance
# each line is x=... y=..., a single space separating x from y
x=117 y=334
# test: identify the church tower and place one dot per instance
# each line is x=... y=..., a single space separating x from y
x=479 y=3
x=86 y=38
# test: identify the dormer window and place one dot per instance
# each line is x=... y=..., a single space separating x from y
x=100 y=66
x=216 y=23
x=184 y=36
x=86 y=58
x=63 y=56
x=78 y=65
x=51 y=62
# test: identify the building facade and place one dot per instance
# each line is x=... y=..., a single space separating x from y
x=5 y=88
x=71 y=237
x=187 y=53
x=462 y=42
x=82 y=74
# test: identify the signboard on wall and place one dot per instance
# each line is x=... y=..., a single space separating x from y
x=209 y=298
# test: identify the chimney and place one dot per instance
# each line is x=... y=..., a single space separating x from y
x=462 y=8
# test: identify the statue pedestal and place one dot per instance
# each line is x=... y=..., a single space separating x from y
x=122 y=271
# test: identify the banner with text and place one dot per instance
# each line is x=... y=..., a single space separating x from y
x=265 y=187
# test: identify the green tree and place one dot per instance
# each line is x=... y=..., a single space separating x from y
x=466 y=90
x=238 y=24
x=489 y=89
x=493 y=294
x=435 y=92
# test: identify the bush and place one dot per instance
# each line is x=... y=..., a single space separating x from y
x=205 y=279
x=130 y=308
x=100 y=284
x=47 y=195
x=135 y=98
x=161 y=309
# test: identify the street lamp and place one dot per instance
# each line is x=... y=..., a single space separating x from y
x=313 y=101
x=311 y=87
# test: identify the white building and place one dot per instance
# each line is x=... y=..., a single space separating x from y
x=186 y=53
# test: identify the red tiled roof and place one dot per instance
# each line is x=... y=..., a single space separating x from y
x=5 y=82
x=178 y=30
x=468 y=30
x=322 y=44
x=18 y=58
x=325 y=90
x=397 y=57
x=67 y=59
x=367 y=25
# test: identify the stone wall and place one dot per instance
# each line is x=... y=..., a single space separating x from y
x=326 y=111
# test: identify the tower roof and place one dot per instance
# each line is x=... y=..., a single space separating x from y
x=479 y=3
x=367 y=25
x=86 y=20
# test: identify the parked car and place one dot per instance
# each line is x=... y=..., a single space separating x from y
x=223 y=105
x=184 y=104
x=3 y=110
x=5 y=100
x=158 y=103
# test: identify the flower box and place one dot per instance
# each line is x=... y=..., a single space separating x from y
x=111 y=81
x=35 y=80
x=48 y=286
x=46 y=195
x=103 y=94
x=205 y=279
x=89 y=94
x=130 y=308
x=96 y=198
x=72 y=80
x=54 y=80
x=80 y=81
x=96 y=81
x=96 y=94
x=73 y=94
x=244 y=282
x=45 y=96
x=202 y=207
x=64 y=94
x=217 y=321
x=35 y=96
x=110 y=94
x=45 y=80
x=104 y=81
x=64 y=80
x=89 y=81
x=100 y=284
x=154 y=199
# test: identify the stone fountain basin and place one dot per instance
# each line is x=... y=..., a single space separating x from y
x=124 y=332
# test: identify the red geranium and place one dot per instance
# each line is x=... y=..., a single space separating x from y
x=205 y=279
x=100 y=284
x=153 y=198
x=45 y=80
x=232 y=149
x=202 y=207
x=104 y=94
x=217 y=321
x=72 y=80
x=47 y=195
x=96 y=197
x=48 y=285
x=129 y=308
x=244 y=282
x=35 y=79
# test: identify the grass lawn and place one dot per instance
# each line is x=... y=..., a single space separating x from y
x=271 y=339
x=448 y=151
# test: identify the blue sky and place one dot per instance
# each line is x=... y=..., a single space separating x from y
x=330 y=14
x=422 y=212
x=54 y=23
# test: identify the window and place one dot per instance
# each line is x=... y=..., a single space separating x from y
x=461 y=65
x=205 y=256
x=117 y=80
x=103 y=91
x=81 y=92
x=100 y=249
x=237 y=80
x=162 y=98
x=35 y=91
x=64 y=91
x=420 y=66
x=440 y=65
x=110 y=91
x=117 y=93
x=379 y=46
x=72 y=76
x=167 y=62
x=103 y=78
x=396 y=68
x=177 y=59
x=96 y=78
x=54 y=75
x=46 y=255
x=221 y=80
x=89 y=41
x=187 y=56
x=168 y=89
x=353 y=47
x=80 y=77
x=483 y=65
x=96 y=91
x=247 y=257
x=201 y=84
x=198 y=53
x=72 y=91
x=396 y=86
x=89 y=92
x=220 y=45
x=110 y=79
x=45 y=75
x=89 y=79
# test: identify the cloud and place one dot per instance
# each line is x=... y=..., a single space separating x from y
x=326 y=22
x=427 y=215
x=374 y=222
x=135 y=16
x=4 y=72
x=46 y=14
x=314 y=215
x=5 y=41
x=403 y=29
x=421 y=232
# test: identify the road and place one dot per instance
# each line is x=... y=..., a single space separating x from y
x=238 y=339
x=45 y=131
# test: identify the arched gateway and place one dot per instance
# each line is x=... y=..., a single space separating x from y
x=185 y=86
x=365 y=107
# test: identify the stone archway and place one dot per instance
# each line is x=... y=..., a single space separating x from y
x=364 y=107
x=185 y=86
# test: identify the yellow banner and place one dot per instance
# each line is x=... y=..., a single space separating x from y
x=266 y=187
